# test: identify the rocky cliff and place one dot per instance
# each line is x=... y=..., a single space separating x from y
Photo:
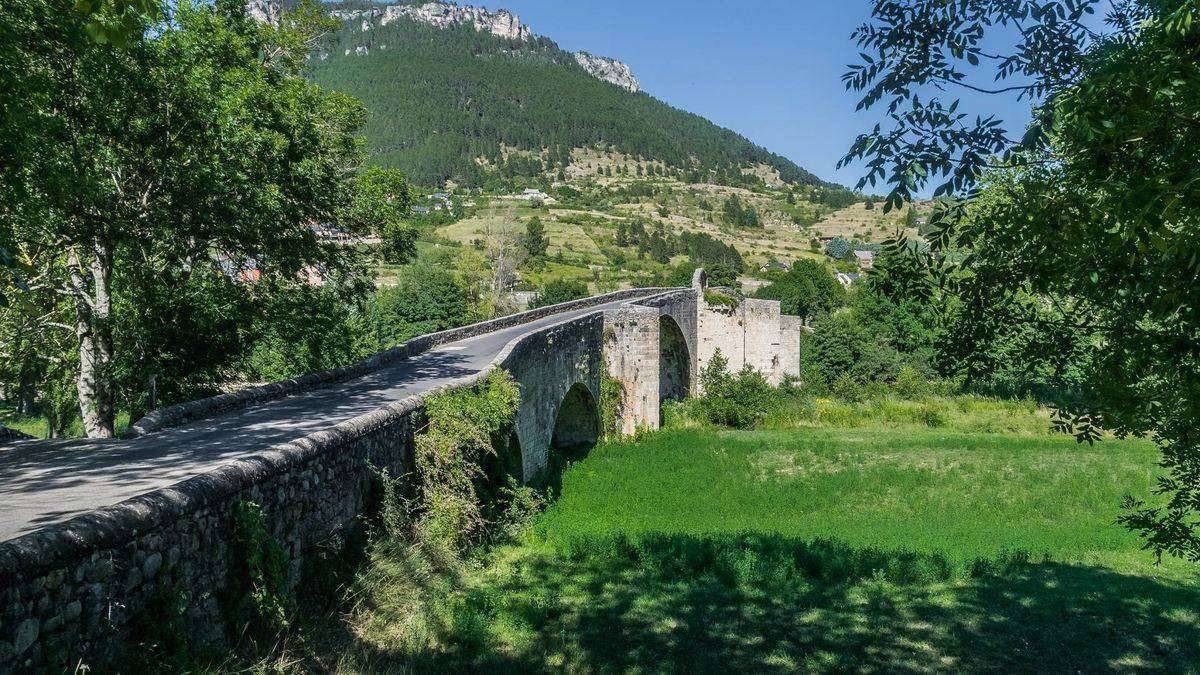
x=609 y=70
x=501 y=23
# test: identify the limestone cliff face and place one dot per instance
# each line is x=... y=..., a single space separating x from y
x=609 y=70
x=264 y=11
x=503 y=24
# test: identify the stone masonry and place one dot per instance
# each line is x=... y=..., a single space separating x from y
x=754 y=333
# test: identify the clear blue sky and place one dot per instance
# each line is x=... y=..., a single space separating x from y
x=768 y=69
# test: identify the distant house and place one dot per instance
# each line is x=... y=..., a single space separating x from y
x=328 y=233
x=774 y=266
x=420 y=210
x=244 y=271
x=865 y=259
x=848 y=280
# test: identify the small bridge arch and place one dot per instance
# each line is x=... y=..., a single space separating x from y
x=674 y=361
x=577 y=425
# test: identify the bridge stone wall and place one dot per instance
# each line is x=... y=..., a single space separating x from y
x=73 y=591
x=546 y=365
x=632 y=353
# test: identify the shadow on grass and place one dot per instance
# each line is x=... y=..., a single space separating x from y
x=773 y=604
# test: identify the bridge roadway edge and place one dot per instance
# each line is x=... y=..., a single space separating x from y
x=67 y=590
x=176 y=415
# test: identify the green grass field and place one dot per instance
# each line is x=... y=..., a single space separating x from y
x=868 y=546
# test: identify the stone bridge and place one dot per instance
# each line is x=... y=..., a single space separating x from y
x=97 y=533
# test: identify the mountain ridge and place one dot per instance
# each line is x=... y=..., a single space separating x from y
x=449 y=87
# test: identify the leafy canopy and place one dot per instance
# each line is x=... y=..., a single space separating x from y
x=1084 y=227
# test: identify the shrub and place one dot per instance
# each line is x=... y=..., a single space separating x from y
x=911 y=384
x=560 y=291
x=846 y=388
x=716 y=299
x=932 y=416
x=463 y=424
x=737 y=401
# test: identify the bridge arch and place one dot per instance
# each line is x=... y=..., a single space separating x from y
x=674 y=362
x=577 y=423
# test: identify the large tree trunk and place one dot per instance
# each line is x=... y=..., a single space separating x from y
x=93 y=309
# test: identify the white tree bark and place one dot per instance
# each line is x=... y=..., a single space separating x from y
x=91 y=292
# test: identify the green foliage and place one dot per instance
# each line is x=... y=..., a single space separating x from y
x=532 y=96
x=721 y=275
x=301 y=330
x=839 y=248
x=704 y=250
x=717 y=299
x=612 y=405
x=737 y=401
x=260 y=602
x=132 y=176
x=807 y=290
x=740 y=214
x=560 y=291
x=116 y=22
x=1079 y=231
x=381 y=203
x=450 y=457
x=535 y=241
x=427 y=298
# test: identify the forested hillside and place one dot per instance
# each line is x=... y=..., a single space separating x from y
x=441 y=98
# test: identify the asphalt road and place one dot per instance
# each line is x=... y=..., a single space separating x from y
x=46 y=482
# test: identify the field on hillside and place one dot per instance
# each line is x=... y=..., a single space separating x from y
x=854 y=543
x=584 y=238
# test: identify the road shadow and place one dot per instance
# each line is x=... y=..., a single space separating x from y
x=774 y=604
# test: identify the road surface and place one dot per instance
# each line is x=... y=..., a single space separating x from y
x=46 y=482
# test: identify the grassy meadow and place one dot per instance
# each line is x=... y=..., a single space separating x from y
x=876 y=536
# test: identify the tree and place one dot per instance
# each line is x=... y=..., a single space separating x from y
x=197 y=143
x=722 y=275
x=426 y=299
x=807 y=290
x=739 y=214
x=839 y=248
x=535 y=241
x=1080 y=227
x=382 y=203
x=622 y=238
x=560 y=291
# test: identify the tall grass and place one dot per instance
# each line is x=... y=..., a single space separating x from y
x=962 y=495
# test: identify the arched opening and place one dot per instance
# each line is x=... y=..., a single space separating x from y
x=675 y=362
x=576 y=430
x=578 y=424
x=506 y=463
x=499 y=471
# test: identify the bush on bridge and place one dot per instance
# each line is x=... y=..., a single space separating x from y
x=450 y=455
